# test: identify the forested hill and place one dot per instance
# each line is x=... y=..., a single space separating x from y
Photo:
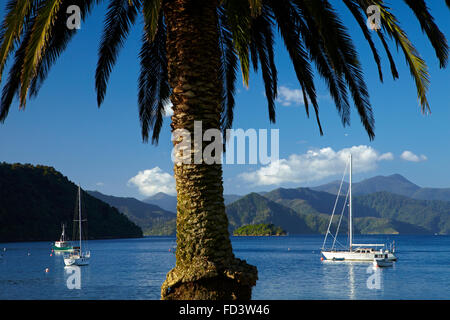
x=36 y=200
x=309 y=210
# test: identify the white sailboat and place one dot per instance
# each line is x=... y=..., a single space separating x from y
x=355 y=252
x=78 y=257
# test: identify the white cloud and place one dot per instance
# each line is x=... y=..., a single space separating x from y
x=316 y=165
x=386 y=156
x=288 y=97
x=409 y=156
x=168 y=109
x=100 y=184
x=152 y=181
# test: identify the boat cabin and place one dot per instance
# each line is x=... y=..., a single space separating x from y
x=365 y=250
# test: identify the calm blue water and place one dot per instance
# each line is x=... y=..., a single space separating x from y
x=289 y=269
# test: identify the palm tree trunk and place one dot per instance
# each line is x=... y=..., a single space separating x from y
x=205 y=264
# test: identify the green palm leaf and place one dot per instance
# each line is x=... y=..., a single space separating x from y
x=151 y=12
x=342 y=55
x=59 y=39
x=262 y=42
x=436 y=37
x=154 y=88
x=228 y=70
x=417 y=66
x=239 y=19
x=12 y=27
x=36 y=47
x=121 y=15
x=12 y=85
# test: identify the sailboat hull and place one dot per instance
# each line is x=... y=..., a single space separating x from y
x=354 y=256
x=62 y=247
x=76 y=261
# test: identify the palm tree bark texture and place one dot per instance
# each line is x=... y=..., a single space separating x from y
x=206 y=267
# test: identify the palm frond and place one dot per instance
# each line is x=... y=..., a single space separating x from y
x=151 y=11
x=36 y=47
x=285 y=15
x=228 y=70
x=239 y=20
x=394 y=70
x=417 y=66
x=119 y=18
x=12 y=27
x=154 y=88
x=342 y=54
x=59 y=39
x=436 y=37
x=318 y=53
x=263 y=44
x=12 y=85
x=359 y=17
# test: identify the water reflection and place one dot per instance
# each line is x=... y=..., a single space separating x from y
x=351 y=276
x=351 y=280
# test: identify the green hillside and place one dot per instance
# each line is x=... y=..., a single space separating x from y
x=262 y=229
x=381 y=212
x=35 y=200
x=256 y=209
x=430 y=215
x=153 y=220
x=169 y=202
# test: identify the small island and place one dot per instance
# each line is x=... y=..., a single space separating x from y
x=262 y=229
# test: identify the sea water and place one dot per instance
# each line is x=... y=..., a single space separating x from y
x=289 y=268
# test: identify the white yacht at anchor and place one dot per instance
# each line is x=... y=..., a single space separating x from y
x=355 y=252
x=78 y=257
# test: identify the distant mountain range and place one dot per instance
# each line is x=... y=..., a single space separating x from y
x=169 y=203
x=156 y=215
x=396 y=184
x=152 y=219
x=380 y=212
x=35 y=200
x=380 y=206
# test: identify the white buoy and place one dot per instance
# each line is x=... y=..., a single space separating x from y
x=47 y=270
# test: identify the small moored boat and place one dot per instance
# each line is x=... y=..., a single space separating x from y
x=62 y=244
x=382 y=260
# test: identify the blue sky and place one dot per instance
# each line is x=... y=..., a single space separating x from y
x=102 y=148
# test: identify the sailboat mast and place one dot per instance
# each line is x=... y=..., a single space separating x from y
x=350 y=206
x=79 y=212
